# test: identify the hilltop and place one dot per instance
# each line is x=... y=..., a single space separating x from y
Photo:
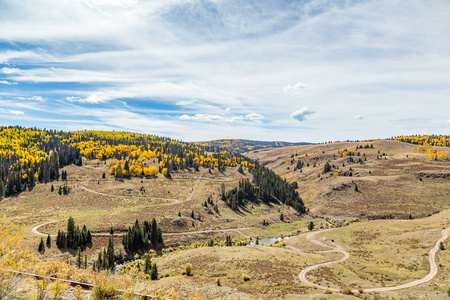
x=241 y=146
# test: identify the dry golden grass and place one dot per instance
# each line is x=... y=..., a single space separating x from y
x=392 y=189
x=118 y=204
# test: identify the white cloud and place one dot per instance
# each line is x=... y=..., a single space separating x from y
x=254 y=117
x=16 y=112
x=236 y=119
x=202 y=117
x=33 y=98
x=351 y=53
x=302 y=114
x=7 y=82
x=358 y=117
x=296 y=87
x=210 y=118
x=448 y=122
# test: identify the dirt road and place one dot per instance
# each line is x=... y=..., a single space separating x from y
x=337 y=248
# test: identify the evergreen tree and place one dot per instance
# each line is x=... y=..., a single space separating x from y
x=310 y=226
x=154 y=272
x=147 y=264
x=52 y=189
x=282 y=217
x=71 y=233
x=154 y=232
x=110 y=253
x=160 y=236
x=41 y=247
x=49 y=241
x=79 y=258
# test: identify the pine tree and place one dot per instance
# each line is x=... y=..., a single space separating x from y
x=52 y=189
x=41 y=247
x=147 y=264
x=282 y=217
x=154 y=232
x=154 y=272
x=89 y=237
x=71 y=233
x=160 y=236
x=79 y=259
x=310 y=226
x=110 y=253
x=49 y=241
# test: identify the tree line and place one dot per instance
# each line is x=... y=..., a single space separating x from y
x=75 y=237
x=138 y=237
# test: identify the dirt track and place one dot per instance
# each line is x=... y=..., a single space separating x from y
x=237 y=230
x=337 y=248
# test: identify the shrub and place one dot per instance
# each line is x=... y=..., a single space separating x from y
x=328 y=291
x=188 y=269
x=245 y=277
x=57 y=288
x=346 y=290
x=360 y=290
x=104 y=290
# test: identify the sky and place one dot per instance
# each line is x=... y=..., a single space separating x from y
x=196 y=70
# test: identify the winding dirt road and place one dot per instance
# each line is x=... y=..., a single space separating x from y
x=36 y=231
x=337 y=248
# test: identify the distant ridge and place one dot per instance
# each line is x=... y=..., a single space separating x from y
x=241 y=146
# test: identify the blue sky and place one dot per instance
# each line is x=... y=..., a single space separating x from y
x=198 y=70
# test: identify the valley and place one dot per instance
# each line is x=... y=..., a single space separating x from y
x=372 y=229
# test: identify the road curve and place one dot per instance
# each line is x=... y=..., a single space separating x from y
x=337 y=248
x=174 y=201
x=237 y=230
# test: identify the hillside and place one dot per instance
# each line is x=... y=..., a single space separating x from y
x=394 y=179
x=241 y=146
x=175 y=203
